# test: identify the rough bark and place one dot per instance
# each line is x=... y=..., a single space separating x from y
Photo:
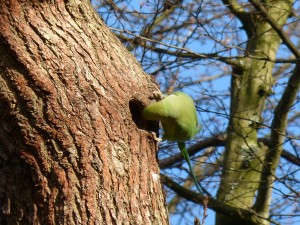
x=73 y=149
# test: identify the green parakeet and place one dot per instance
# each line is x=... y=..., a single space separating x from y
x=179 y=120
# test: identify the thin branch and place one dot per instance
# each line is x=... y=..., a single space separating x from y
x=190 y=54
x=158 y=19
x=241 y=14
x=285 y=154
x=186 y=54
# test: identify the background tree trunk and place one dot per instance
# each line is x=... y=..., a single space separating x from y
x=72 y=145
x=251 y=84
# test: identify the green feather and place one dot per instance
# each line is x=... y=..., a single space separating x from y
x=179 y=120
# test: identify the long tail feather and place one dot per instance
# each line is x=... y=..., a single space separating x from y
x=181 y=146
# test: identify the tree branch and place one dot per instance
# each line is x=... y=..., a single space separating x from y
x=286 y=40
x=219 y=207
x=166 y=11
x=277 y=137
x=218 y=140
x=187 y=53
x=182 y=52
x=241 y=14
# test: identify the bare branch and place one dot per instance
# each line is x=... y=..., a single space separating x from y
x=215 y=141
x=183 y=52
x=192 y=150
x=240 y=13
x=217 y=206
x=277 y=136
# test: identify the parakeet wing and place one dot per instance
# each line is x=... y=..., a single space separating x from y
x=178 y=115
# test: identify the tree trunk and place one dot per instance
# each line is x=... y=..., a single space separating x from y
x=72 y=145
x=251 y=83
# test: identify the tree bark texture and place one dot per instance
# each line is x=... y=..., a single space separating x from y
x=73 y=148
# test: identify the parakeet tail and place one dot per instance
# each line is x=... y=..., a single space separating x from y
x=181 y=146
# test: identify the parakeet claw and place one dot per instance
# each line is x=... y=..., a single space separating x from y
x=157 y=139
x=157 y=95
